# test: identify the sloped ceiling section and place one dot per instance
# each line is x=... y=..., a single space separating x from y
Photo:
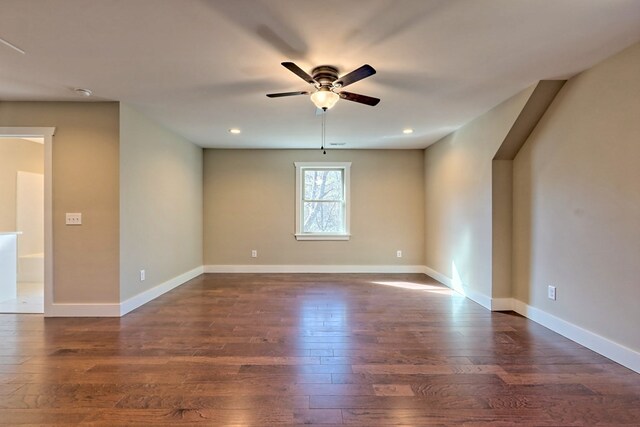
x=537 y=104
x=201 y=67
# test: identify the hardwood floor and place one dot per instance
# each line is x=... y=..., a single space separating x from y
x=275 y=349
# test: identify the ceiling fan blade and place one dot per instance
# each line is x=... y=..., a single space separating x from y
x=363 y=72
x=279 y=95
x=362 y=99
x=299 y=72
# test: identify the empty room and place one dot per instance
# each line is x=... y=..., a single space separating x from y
x=296 y=212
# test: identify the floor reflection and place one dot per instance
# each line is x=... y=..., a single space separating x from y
x=324 y=325
x=323 y=315
x=419 y=287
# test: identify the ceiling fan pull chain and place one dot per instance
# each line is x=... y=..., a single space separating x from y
x=324 y=131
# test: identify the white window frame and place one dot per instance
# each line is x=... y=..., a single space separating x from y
x=346 y=174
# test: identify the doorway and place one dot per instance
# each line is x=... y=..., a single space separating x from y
x=26 y=283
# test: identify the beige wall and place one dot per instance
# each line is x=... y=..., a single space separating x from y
x=85 y=179
x=249 y=203
x=160 y=203
x=458 y=203
x=501 y=228
x=577 y=203
x=16 y=155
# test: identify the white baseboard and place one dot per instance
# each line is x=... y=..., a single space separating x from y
x=612 y=350
x=463 y=290
x=153 y=293
x=438 y=276
x=502 y=304
x=314 y=269
x=118 y=310
x=83 y=310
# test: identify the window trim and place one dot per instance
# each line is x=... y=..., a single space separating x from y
x=346 y=171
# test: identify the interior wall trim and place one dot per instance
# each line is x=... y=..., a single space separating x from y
x=601 y=345
x=609 y=349
x=47 y=134
x=502 y=304
x=153 y=293
x=120 y=309
x=461 y=288
x=313 y=268
x=83 y=310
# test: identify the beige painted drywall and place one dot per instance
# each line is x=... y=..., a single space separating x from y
x=501 y=227
x=160 y=203
x=577 y=203
x=16 y=155
x=85 y=179
x=249 y=203
x=458 y=203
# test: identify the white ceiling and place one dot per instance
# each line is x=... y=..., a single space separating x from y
x=200 y=67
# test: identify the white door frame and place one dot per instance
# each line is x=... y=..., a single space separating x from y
x=47 y=134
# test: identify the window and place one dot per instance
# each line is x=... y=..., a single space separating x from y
x=322 y=201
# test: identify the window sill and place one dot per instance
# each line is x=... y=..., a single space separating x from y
x=323 y=236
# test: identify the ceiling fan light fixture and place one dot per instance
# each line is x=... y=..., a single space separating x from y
x=324 y=98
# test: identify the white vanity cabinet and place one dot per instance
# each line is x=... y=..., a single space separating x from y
x=8 y=265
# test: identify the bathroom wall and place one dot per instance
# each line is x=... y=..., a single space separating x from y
x=16 y=155
x=30 y=213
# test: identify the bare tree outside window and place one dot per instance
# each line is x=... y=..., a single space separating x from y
x=322 y=200
x=323 y=210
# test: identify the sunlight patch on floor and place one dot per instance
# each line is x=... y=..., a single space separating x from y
x=419 y=287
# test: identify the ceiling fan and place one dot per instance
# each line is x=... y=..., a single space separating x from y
x=326 y=81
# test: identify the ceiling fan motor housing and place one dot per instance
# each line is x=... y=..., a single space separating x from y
x=325 y=75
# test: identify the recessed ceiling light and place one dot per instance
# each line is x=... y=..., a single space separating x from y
x=407 y=131
x=234 y=131
x=83 y=92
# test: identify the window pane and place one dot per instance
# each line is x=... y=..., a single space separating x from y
x=323 y=217
x=322 y=185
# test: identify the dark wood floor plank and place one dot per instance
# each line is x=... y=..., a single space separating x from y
x=445 y=417
x=306 y=349
x=396 y=402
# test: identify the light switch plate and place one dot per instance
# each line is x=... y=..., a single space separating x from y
x=73 y=219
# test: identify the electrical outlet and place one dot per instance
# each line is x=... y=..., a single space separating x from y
x=399 y=254
x=73 y=219
x=143 y=275
x=551 y=292
x=254 y=253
